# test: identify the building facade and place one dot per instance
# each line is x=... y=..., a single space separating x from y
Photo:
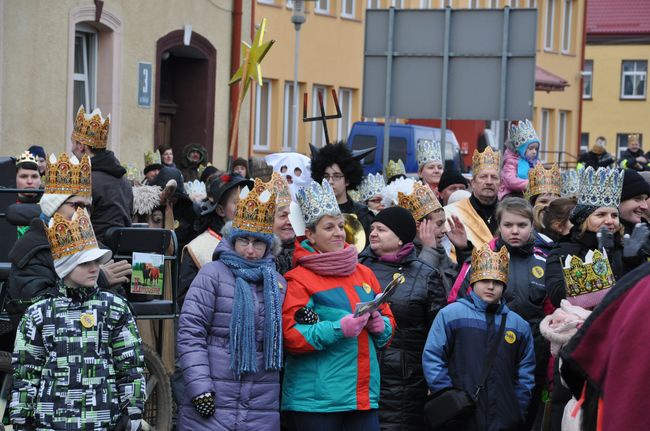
x=159 y=67
x=615 y=98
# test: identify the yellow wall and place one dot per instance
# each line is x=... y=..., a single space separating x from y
x=606 y=114
x=34 y=72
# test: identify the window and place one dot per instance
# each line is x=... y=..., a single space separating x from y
x=549 y=27
x=621 y=142
x=633 y=79
x=546 y=129
x=289 y=4
x=425 y=4
x=398 y=4
x=266 y=1
x=289 y=117
x=373 y=4
x=263 y=115
x=588 y=79
x=532 y=3
x=473 y=4
x=85 y=69
x=494 y=4
x=584 y=143
x=348 y=8
x=345 y=122
x=566 y=27
x=561 y=134
x=323 y=6
x=317 y=132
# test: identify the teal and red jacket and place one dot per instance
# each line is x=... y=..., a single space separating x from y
x=324 y=371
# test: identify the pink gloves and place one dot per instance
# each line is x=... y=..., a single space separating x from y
x=352 y=326
x=376 y=323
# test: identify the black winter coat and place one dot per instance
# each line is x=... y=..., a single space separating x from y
x=415 y=304
x=112 y=194
x=595 y=160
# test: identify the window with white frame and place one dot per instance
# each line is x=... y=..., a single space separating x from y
x=373 y=4
x=566 y=26
x=546 y=128
x=562 y=125
x=473 y=4
x=85 y=68
x=263 y=115
x=348 y=8
x=532 y=3
x=633 y=79
x=425 y=4
x=345 y=122
x=290 y=114
x=549 y=24
x=588 y=79
x=323 y=6
x=494 y=4
x=317 y=132
x=398 y=4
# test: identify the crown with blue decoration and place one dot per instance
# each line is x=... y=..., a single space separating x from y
x=371 y=185
x=523 y=133
x=570 y=183
x=588 y=281
x=601 y=188
x=315 y=201
x=428 y=151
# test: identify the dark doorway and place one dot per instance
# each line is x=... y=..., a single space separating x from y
x=185 y=88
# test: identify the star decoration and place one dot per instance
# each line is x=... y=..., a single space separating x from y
x=255 y=54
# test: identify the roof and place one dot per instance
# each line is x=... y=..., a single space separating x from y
x=547 y=81
x=612 y=17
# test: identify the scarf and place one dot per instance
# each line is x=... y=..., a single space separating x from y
x=333 y=264
x=401 y=254
x=242 y=321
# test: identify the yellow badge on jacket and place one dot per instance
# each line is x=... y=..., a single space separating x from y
x=510 y=337
x=538 y=271
x=367 y=288
x=87 y=320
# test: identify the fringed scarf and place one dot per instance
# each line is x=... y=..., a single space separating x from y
x=242 y=322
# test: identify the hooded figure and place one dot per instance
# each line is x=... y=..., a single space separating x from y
x=193 y=156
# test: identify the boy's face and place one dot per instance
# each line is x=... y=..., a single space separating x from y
x=84 y=275
x=489 y=291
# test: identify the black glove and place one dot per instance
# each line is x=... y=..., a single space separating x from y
x=204 y=404
x=633 y=244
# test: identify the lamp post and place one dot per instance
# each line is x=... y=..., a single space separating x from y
x=297 y=18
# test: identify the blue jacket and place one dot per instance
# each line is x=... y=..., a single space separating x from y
x=456 y=351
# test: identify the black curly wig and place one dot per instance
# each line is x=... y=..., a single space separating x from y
x=340 y=154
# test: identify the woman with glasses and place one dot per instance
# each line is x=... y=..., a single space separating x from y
x=230 y=328
x=331 y=376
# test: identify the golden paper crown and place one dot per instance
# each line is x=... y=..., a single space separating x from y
x=256 y=209
x=488 y=159
x=91 y=129
x=542 y=180
x=152 y=158
x=420 y=202
x=489 y=265
x=281 y=189
x=591 y=276
x=395 y=168
x=26 y=157
x=68 y=176
x=70 y=237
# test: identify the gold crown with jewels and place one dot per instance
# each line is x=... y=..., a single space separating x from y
x=395 y=168
x=91 y=129
x=68 y=176
x=279 y=185
x=542 y=180
x=255 y=209
x=488 y=159
x=593 y=275
x=67 y=237
x=489 y=265
x=420 y=202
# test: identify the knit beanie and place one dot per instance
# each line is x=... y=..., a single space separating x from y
x=240 y=161
x=400 y=221
x=51 y=202
x=450 y=177
x=634 y=185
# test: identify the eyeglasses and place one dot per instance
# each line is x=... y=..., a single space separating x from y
x=335 y=177
x=258 y=244
x=77 y=205
x=375 y=201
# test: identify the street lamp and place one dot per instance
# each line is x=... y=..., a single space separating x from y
x=297 y=18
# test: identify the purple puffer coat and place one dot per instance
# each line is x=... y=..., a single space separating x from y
x=251 y=403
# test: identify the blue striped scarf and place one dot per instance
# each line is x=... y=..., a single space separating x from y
x=242 y=322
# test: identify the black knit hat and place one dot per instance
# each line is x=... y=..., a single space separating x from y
x=450 y=177
x=400 y=221
x=634 y=185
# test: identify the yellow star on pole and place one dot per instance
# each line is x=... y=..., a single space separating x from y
x=253 y=56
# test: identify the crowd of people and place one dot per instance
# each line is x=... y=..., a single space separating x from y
x=503 y=289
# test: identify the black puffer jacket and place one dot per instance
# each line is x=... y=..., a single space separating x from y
x=112 y=194
x=414 y=305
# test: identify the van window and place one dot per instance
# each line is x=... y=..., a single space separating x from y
x=362 y=142
x=398 y=149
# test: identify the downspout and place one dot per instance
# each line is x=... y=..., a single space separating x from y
x=251 y=106
x=235 y=55
x=582 y=65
